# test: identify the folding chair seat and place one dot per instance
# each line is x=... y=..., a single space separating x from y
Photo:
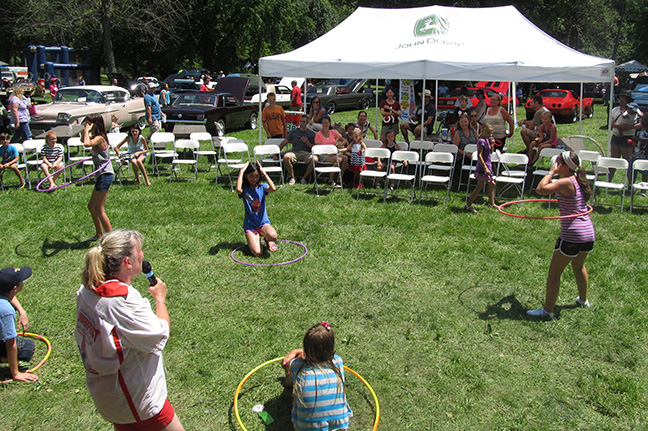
x=638 y=165
x=401 y=157
x=264 y=154
x=21 y=165
x=512 y=172
x=592 y=158
x=206 y=141
x=470 y=167
x=545 y=160
x=184 y=145
x=332 y=168
x=158 y=143
x=611 y=163
x=235 y=155
x=438 y=161
x=373 y=174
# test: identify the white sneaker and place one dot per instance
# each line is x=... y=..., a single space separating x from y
x=540 y=312
x=291 y=182
x=582 y=303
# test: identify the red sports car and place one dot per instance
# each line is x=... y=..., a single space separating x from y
x=562 y=103
x=447 y=103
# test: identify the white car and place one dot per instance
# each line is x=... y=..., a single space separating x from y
x=282 y=92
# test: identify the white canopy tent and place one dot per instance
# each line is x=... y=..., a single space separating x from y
x=439 y=43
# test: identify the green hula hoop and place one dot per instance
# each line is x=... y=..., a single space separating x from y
x=238 y=390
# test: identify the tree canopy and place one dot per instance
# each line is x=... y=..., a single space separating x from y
x=162 y=36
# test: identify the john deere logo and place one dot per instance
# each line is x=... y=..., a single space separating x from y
x=431 y=25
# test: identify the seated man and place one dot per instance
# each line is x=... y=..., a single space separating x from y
x=13 y=348
x=9 y=158
x=302 y=140
x=530 y=128
x=428 y=112
x=52 y=154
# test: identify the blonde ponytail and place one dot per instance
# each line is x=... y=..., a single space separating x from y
x=104 y=260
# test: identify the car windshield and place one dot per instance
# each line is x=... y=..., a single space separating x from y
x=79 y=95
x=559 y=94
x=202 y=99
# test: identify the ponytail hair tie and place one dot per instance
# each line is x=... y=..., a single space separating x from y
x=99 y=248
x=569 y=162
x=326 y=325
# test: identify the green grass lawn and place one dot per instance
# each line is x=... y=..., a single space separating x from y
x=427 y=303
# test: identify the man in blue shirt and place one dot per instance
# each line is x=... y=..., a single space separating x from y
x=13 y=348
x=153 y=111
x=9 y=158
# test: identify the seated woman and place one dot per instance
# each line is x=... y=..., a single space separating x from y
x=364 y=125
x=315 y=114
x=463 y=136
x=328 y=136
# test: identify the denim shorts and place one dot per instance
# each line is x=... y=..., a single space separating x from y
x=103 y=183
x=25 y=347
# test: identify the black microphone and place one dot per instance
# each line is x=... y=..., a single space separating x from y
x=148 y=272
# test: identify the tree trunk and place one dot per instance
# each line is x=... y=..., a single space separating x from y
x=106 y=15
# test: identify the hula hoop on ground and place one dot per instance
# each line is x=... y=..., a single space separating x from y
x=559 y=217
x=238 y=390
x=38 y=186
x=271 y=264
x=47 y=354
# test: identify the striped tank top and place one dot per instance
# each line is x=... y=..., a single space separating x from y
x=579 y=229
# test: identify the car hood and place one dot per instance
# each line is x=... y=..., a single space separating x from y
x=50 y=111
x=237 y=85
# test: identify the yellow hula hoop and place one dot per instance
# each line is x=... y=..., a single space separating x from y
x=238 y=390
x=47 y=355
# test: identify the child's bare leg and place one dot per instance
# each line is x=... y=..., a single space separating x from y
x=140 y=163
x=475 y=193
x=46 y=172
x=135 y=169
x=18 y=174
x=490 y=189
x=270 y=235
x=57 y=167
x=254 y=243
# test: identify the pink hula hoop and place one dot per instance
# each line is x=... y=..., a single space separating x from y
x=38 y=186
x=559 y=217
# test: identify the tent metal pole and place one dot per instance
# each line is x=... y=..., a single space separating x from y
x=260 y=114
x=580 y=117
x=376 y=97
x=436 y=104
x=423 y=129
x=305 y=104
x=514 y=95
x=609 y=138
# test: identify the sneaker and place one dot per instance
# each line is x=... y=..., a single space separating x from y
x=391 y=188
x=582 y=303
x=470 y=209
x=291 y=182
x=302 y=182
x=540 y=312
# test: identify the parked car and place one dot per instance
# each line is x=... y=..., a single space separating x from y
x=337 y=97
x=72 y=104
x=220 y=110
x=562 y=103
x=282 y=92
x=447 y=103
x=640 y=96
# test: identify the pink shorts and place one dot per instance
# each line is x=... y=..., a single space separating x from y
x=256 y=230
x=156 y=423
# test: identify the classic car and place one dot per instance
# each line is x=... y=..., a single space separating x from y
x=336 y=97
x=640 y=96
x=282 y=92
x=447 y=103
x=218 y=110
x=72 y=104
x=562 y=103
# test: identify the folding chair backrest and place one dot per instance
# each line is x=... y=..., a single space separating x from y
x=401 y=156
x=640 y=165
x=437 y=157
x=189 y=144
x=378 y=153
x=115 y=138
x=421 y=145
x=324 y=150
x=159 y=140
x=75 y=141
x=611 y=162
x=201 y=136
x=373 y=143
x=470 y=148
x=267 y=149
x=445 y=148
x=273 y=141
x=33 y=144
x=235 y=147
x=549 y=153
x=404 y=146
x=513 y=159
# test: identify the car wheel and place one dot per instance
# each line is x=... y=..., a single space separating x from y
x=330 y=107
x=141 y=123
x=252 y=122
x=364 y=104
x=574 y=115
x=591 y=111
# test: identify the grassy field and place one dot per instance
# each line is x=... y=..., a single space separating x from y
x=427 y=303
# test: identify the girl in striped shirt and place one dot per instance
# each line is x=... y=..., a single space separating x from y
x=317 y=375
x=576 y=234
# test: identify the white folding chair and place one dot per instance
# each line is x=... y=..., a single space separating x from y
x=235 y=155
x=184 y=145
x=19 y=165
x=512 y=172
x=333 y=168
x=373 y=174
x=423 y=147
x=31 y=148
x=158 y=146
x=446 y=148
x=401 y=157
x=611 y=163
x=470 y=167
x=438 y=161
x=546 y=157
x=40 y=165
x=592 y=158
x=638 y=165
x=373 y=143
x=404 y=146
x=115 y=138
x=264 y=154
x=206 y=140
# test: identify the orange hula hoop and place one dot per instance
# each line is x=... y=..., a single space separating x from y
x=559 y=217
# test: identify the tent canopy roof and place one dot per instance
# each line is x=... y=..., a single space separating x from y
x=632 y=66
x=439 y=42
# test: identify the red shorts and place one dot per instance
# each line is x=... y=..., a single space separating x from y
x=156 y=423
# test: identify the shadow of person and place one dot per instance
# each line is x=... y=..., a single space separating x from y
x=227 y=246
x=51 y=248
x=279 y=408
x=506 y=308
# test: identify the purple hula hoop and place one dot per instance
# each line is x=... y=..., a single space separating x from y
x=271 y=264
x=38 y=189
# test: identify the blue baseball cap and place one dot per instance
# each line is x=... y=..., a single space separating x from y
x=11 y=277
